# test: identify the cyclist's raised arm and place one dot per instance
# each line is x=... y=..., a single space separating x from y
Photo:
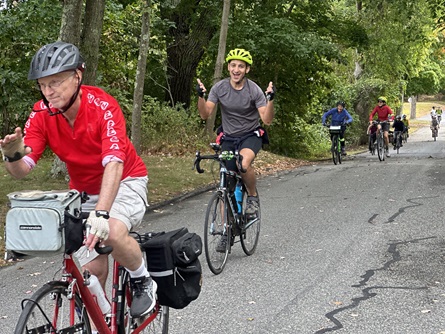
x=13 y=150
x=267 y=112
x=348 y=117
x=205 y=108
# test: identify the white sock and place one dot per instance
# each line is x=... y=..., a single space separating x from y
x=141 y=271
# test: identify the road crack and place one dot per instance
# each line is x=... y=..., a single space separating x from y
x=366 y=292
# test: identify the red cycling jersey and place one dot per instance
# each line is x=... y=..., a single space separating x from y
x=382 y=113
x=97 y=137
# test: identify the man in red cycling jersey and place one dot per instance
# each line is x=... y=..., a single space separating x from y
x=85 y=128
x=384 y=113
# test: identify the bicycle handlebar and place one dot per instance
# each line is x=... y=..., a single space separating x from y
x=219 y=156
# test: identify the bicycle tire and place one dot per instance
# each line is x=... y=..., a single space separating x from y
x=251 y=234
x=339 y=151
x=48 y=311
x=127 y=324
x=216 y=224
x=334 y=149
x=380 y=151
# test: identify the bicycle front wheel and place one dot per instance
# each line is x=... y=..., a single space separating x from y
x=334 y=149
x=49 y=311
x=380 y=150
x=217 y=233
x=250 y=233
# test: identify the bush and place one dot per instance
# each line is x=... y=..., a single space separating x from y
x=171 y=130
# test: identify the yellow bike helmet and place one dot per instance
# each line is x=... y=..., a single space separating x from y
x=382 y=98
x=239 y=54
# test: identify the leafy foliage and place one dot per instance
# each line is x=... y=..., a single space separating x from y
x=24 y=28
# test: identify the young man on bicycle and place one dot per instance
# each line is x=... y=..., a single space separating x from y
x=384 y=113
x=85 y=128
x=339 y=116
x=242 y=104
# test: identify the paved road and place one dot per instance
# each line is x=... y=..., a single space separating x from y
x=355 y=248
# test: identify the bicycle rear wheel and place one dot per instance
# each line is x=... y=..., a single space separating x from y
x=334 y=148
x=155 y=322
x=215 y=228
x=48 y=311
x=250 y=232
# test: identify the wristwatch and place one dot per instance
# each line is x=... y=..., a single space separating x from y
x=103 y=213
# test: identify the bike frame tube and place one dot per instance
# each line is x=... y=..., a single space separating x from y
x=91 y=306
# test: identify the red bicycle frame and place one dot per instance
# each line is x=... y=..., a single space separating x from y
x=75 y=278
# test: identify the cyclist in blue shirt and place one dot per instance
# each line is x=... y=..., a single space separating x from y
x=339 y=116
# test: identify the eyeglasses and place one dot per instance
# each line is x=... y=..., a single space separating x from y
x=53 y=84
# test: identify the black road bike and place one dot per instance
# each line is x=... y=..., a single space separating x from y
x=226 y=218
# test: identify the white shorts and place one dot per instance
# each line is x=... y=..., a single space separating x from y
x=128 y=207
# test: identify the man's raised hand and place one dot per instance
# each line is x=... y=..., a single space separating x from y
x=200 y=89
x=270 y=91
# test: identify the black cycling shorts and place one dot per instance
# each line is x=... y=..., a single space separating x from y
x=253 y=142
x=385 y=126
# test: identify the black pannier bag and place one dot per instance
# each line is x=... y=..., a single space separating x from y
x=172 y=261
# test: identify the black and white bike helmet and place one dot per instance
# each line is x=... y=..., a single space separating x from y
x=55 y=58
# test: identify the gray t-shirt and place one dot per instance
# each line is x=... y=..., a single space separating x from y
x=239 y=108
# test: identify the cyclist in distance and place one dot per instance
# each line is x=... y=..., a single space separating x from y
x=339 y=116
x=372 y=133
x=85 y=128
x=398 y=125
x=406 y=123
x=433 y=112
x=384 y=113
x=242 y=104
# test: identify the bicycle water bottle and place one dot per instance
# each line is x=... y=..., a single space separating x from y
x=99 y=294
x=239 y=196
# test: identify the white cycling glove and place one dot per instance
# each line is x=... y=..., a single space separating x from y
x=14 y=150
x=99 y=226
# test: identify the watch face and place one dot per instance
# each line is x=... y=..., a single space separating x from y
x=102 y=213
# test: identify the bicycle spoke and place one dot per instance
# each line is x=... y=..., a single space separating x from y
x=49 y=311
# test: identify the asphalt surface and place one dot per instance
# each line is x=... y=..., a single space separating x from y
x=353 y=248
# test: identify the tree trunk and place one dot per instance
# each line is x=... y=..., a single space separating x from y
x=90 y=41
x=71 y=22
x=69 y=32
x=192 y=32
x=210 y=123
x=413 y=101
x=140 y=76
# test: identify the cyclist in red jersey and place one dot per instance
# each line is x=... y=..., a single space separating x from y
x=85 y=128
x=384 y=113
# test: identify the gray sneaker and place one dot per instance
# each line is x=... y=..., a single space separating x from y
x=222 y=244
x=144 y=296
x=252 y=206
